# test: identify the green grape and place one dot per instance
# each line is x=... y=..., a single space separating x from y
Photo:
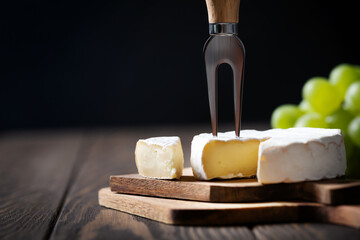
x=352 y=98
x=305 y=106
x=342 y=76
x=285 y=116
x=339 y=119
x=314 y=120
x=354 y=131
x=321 y=95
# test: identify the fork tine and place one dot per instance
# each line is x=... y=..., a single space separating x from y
x=223 y=46
x=230 y=50
x=238 y=73
x=211 y=73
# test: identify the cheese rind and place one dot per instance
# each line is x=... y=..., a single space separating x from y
x=159 y=157
x=284 y=155
x=304 y=154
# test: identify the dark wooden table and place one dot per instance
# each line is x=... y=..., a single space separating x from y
x=49 y=182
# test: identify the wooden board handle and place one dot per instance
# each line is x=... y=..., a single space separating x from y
x=223 y=11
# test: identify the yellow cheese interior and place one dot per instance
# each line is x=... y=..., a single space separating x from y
x=230 y=159
x=154 y=161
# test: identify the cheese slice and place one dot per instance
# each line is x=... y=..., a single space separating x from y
x=159 y=157
x=274 y=156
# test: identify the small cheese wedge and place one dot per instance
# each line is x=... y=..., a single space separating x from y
x=274 y=156
x=159 y=157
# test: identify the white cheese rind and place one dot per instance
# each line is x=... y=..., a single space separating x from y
x=304 y=154
x=161 y=141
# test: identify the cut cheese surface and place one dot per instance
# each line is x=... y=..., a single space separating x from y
x=274 y=156
x=230 y=159
x=159 y=157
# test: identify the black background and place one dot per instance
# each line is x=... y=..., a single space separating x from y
x=118 y=63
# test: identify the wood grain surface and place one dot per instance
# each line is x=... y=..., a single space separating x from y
x=174 y=211
x=32 y=200
x=344 y=214
x=335 y=191
x=35 y=169
x=302 y=231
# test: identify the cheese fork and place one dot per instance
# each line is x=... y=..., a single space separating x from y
x=223 y=46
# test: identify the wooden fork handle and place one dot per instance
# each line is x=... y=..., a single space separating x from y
x=223 y=11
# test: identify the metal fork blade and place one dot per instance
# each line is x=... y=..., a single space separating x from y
x=228 y=49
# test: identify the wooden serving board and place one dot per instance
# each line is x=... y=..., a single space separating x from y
x=332 y=192
x=184 y=212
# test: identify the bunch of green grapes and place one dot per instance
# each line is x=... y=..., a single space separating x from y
x=329 y=103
